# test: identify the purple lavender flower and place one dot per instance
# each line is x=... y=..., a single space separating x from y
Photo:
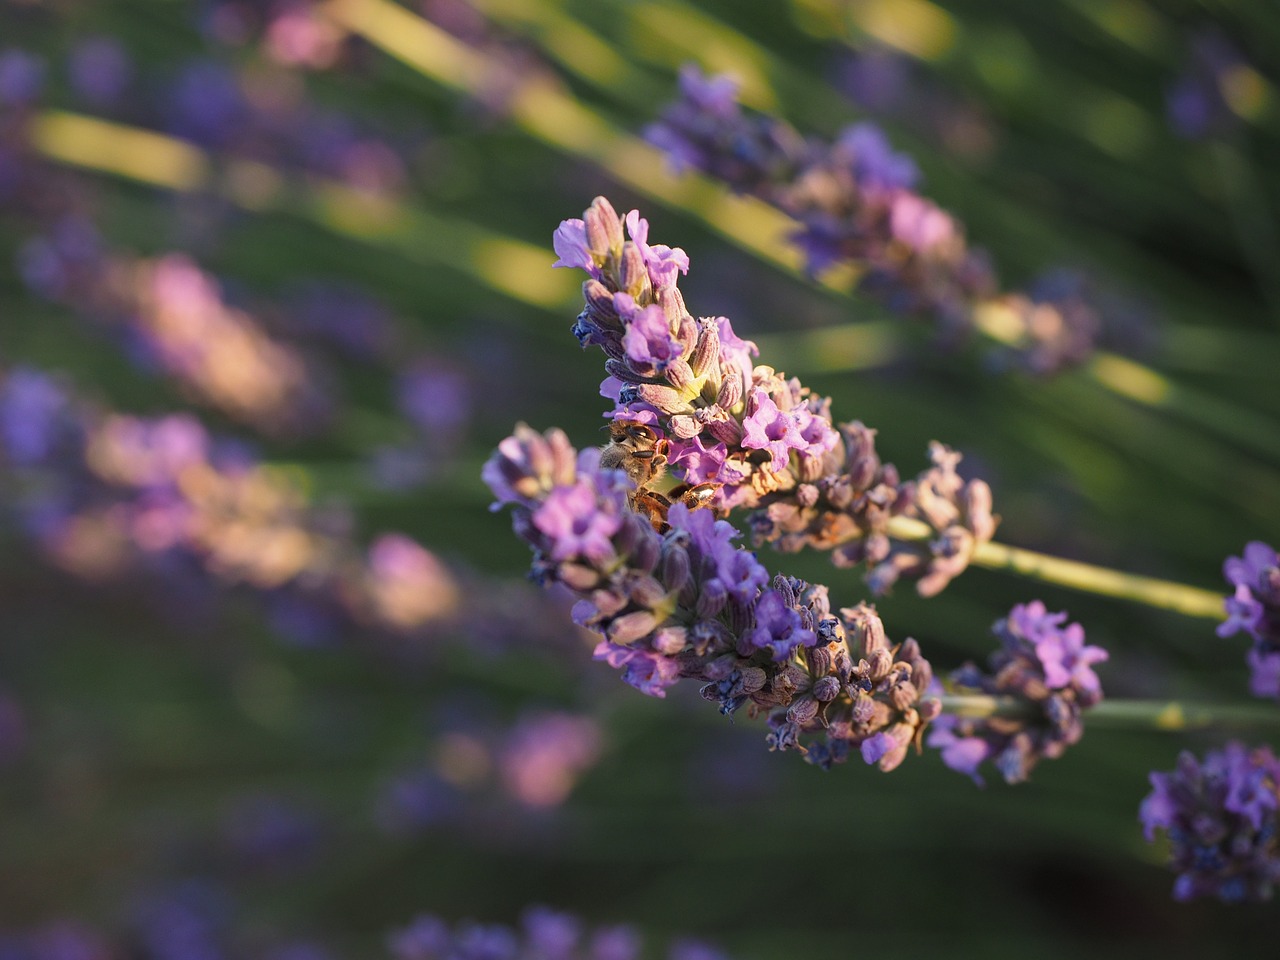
x=34 y=416
x=777 y=629
x=1255 y=609
x=771 y=430
x=876 y=165
x=575 y=524
x=100 y=70
x=1046 y=671
x=545 y=754
x=1195 y=103
x=543 y=934
x=21 y=77
x=1220 y=816
x=648 y=340
x=687 y=603
x=856 y=201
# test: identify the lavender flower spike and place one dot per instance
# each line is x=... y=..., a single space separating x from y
x=1044 y=664
x=756 y=438
x=1221 y=819
x=1255 y=609
x=689 y=604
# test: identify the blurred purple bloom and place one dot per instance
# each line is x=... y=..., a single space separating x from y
x=1041 y=662
x=21 y=77
x=550 y=935
x=1220 y=816
x=206 y=105
x=876 y=165
x=545 y=754
x=100 y=70
x=648 y=671
x=1196 y=103
x=33 y=416
x=1255 y=609
x=962 y=754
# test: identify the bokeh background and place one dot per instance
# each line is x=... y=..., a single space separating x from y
x=274 y=280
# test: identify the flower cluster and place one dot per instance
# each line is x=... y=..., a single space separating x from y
x=763 y=441
x=1046 y=669
x=105 y=496
x=543 y=934
x=1255 y=609
x=1221 y=819
x=857 y=201
x=688 y=603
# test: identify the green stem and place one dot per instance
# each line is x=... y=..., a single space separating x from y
x=1172 y=715
x=1165 y=594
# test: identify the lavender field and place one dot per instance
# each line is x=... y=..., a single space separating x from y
x=636 y=479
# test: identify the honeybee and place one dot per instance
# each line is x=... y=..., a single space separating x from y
x=636 y=449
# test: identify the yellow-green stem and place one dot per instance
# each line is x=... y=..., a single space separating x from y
x=1165 y=594
x=1173 y=715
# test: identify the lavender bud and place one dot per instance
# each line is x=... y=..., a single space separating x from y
x=685 y=427
x=600 y=304
x=670 y=640
x=802 y=711
x=647 y=592
x=577 y=576
x=727 y=430
x=826 y=689
x=711 y=600
x=730 y=390
x=904 y=695
x=879 y=663
x=604 y=229
x=622 y=370
x=751 y=680
x=867 y=629
x=630 y=627
x=819 y=658
x=644 y=557
x=675 y=569
x=680 y=375
x=706 y=354
x=664 y=398
x=720 y=668
x=633 y=275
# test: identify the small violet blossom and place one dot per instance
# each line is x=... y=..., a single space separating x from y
x=1220 y=816
x=772 y=430
x=1255 y=609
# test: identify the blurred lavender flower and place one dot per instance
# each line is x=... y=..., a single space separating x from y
x=270 y=834
x=100 y=70
x=543 y=934
x=1197 y=102
x=545 y=754
x=1255 y=609
x=22 y=77
x=1220 y=816
x=857 y=202
x=1047 y=670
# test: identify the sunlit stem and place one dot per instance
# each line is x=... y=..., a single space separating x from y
x=1171 y=715
x=1165 y=594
